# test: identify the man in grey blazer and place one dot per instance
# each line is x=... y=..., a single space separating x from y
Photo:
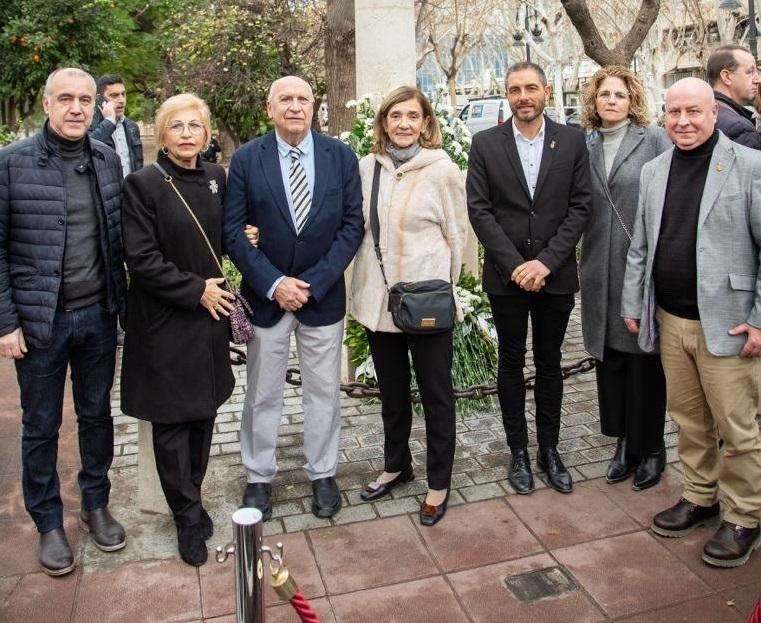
x=692 y=283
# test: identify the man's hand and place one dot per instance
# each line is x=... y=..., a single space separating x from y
x=752 y=346
x=530 y=275
x=13 y=345
x=108 y=110
x=292 y=294
x=632 y=324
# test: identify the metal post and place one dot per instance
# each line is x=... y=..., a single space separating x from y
x=247 y=538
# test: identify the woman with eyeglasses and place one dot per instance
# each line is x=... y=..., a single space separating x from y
x=631 y=387
x=176 y=363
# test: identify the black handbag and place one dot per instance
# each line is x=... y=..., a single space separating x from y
x=415 y=306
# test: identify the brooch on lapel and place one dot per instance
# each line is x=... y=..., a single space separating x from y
x=552 y=144
x=213 y=187
x=720 y=167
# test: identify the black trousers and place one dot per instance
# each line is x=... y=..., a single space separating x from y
x=182 y=456
x=549 y=318
x=432 y=361
x=631 y=392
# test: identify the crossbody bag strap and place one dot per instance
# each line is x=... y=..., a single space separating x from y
x=374 y=222
x=618 y=214
x=168 y=180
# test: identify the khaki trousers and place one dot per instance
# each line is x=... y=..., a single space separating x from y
x=709 y=398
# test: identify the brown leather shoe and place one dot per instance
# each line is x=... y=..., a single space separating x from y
x=56 y=557
x=683 y=518
x=107 y=533
x=732 y=545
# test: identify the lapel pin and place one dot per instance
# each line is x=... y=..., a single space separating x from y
x=552 y=144
x=720 y=167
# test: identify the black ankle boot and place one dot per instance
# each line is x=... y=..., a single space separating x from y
x=621 y=464
x=191 y=544
x=649 y=470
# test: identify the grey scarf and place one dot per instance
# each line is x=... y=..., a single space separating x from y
x=401 y=155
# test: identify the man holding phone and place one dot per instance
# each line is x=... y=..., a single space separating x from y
x=110 y=126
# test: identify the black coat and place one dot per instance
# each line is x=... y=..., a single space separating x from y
x=176 y=362
x=512 y=226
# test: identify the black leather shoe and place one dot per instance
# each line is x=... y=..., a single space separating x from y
x=258 y=495
x=683 y=518
x=376 y=490
x=732 y=545
x=56 y=557
x=430 y=515
x=548 y=460
x=649 y=470
x=519 y=475
x=191 y=544
x=107 y=533
x=207 y=525
x=621 y=464
x=326 y=498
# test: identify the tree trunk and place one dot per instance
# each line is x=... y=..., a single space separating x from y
x=340 y=79
x=594 y=46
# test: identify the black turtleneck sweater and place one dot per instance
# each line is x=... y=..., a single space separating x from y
x=84 y=280
x=675 y=265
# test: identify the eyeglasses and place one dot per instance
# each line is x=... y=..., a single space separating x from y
x=616 y=95
x=178 y=128
x=287 y=100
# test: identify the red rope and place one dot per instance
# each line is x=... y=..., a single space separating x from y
x=303 y=609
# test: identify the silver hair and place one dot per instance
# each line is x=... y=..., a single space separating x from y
x=74 y=71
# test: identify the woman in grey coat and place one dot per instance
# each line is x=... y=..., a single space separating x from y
x=630 y=383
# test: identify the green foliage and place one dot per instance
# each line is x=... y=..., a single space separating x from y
x=38 y=36
x=6 y=135
x=231 y=273
x=229 y=56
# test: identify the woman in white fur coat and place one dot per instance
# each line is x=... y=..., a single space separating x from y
x=423 y=219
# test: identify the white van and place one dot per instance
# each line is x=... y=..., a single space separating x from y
x=480 y=114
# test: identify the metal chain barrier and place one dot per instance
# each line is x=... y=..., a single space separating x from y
x=355 y=389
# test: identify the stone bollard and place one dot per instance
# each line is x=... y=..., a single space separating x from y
x=150 y=497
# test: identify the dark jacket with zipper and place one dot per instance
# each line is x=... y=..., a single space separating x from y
x=33 y=232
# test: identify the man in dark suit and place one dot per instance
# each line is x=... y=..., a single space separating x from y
x=302 y=191
x=529 y=194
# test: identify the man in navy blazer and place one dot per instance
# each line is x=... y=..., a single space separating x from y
x=529 y=196
x=302 y=190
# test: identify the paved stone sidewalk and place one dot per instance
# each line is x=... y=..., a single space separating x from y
x=480 y=469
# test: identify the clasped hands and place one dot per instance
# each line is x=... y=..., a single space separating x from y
x=530 y=276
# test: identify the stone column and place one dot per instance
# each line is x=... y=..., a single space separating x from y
x=150 y=497
x=385 y=45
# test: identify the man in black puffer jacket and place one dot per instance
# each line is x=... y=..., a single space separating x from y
x=62 y=284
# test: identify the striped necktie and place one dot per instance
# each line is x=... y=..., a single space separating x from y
x=302 y=201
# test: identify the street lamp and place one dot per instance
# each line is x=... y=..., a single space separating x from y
x=733 y=5
x=536 y=30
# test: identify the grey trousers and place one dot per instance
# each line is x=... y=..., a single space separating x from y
x=319 y=353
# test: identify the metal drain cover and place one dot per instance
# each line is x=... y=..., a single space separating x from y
x=548 y=583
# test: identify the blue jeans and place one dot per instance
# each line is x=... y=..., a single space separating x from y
x=85 y=339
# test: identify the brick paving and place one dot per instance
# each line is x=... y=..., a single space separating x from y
x=374 y=562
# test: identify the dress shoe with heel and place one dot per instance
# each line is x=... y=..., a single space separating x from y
x=430 y=515
x=621 y=465
x=519 y=475
x=56 y=557
x=376 y=490
x=548 y=460
x=107 y=533
x=258 y=495
x=326 y=498
x=649 y=470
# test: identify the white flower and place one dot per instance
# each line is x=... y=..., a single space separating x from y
x=351 y=104
x=344 y=135
x=213 y=187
